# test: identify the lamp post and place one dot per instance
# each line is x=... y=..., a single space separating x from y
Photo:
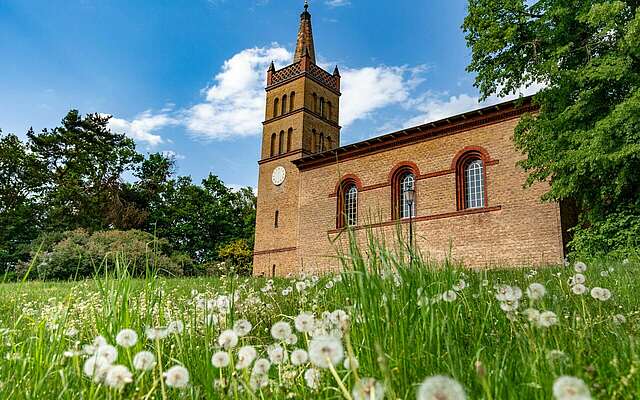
x=410 y=196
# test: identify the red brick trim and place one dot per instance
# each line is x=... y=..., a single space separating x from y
x=404 y=165
x=283 y=250
x=459 y=161
x=347 y=180
x=300 y=75
x=398 y=171
x=452 y=214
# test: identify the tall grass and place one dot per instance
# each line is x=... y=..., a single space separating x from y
x=401 y=329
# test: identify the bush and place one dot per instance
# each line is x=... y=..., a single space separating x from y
x=236 y=256
x=80 y=254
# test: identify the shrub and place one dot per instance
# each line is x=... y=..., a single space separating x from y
x=80 y=254
x=236 y=255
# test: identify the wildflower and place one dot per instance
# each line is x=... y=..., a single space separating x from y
x=340 y=318
x=556 y=355
x=619 y=319
x=625 y=261
x=449 y=296
x=96 y=368
x=304 y=322
x=484 y=283
x=460 y=285
x=176 y=327
x=547 y=319
x=261 y=366
x=533 y=315
x=258 y=381
x=578 y=289
x=580 y=267
x=329 y=285
x=127 y=338
x=144 y=361
x=97 y=342
x=441 y=388
x=156 y=333
x=277 y=354
x=118 y=376
x=246 y=355
x=577 y=278
x=601 y=294
x=299 y=357
x=509 y=306
x=312 y=378
x=71 y=332
x=177 y=377
x=292 y=339
x=604 y=273
x=280 y=330
x=228 y=339
x=223 y=304
x=368 y=389
x=350 y=362
x=220 y=359
x=107 y=352
x=242 y=327
x=508 y=293
x=325 y=351
x=570 y=388
x=301 y=286
x=536 y=291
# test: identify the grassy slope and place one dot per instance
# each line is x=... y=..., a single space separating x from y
x=398 y=334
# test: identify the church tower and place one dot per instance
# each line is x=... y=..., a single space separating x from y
x=301 y=118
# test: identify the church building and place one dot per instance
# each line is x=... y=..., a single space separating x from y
x=454 y=182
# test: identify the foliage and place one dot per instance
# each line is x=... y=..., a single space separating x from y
x=79 y=254
x=585 y=140
x=238 y=255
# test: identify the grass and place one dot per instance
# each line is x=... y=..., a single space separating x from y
x=401 y=331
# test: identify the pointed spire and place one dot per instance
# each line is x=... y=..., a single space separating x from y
x=272 y=67
x=336 y=72
x=305 y=37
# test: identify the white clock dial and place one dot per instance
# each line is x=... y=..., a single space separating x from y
x=278 y=175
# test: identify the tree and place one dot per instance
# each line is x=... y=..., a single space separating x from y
x=585 y=139
x=85 y=163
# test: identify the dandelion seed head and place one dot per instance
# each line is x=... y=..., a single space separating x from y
x=144 y=361
x=570 y=388
x=246 y=355
x=220 y=359
x=228 y=339
x=127 y=338
x=312 y=378
x=118 y=376
x=579 y=266
x=280 y=330
x=299 y=357
x=579 y=289
x=277 y=354
x=261 y=366
x=177 y=377
x=536 y=291
x=242 y=327
x=325 y=351
x=304 y=322
x=368 y=389
x=176 y=327
x=441 y=388
x=547 y=319
x=449 y=296
x=107 y=352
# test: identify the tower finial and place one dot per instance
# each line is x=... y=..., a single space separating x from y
x=306 y=4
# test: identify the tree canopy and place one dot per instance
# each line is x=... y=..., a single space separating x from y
x=585 y=139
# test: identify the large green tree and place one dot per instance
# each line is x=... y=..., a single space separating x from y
x=585 y=140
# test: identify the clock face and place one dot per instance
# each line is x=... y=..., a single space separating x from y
x=278 y=175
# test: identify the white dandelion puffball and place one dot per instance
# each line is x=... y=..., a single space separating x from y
x=118 y=376
x=291 y=339
x=508 y=293
x=228 y=339
x=601 y=294
x=578 y=278
x=246 y=355
x=579 y=289
x=127 y=338
x=509 y=306
x=261 y=366
x=144 y=361
x=619 y=319
x=242 y=327
x=533 y=315
x=96 y=368
x=156 y=333
x=325 y=351
x=580 y=267
x=368 y=389
x=304 y=322
x=536 y=291
x=175 y=327
x=570 y=388
x=108 y=353
x=277 y=354
x=281 y=330
x=258 y=381
x=449 y=296
x=299 y=357
x=547 y=319
x=461 y=285
x=351 y=363
x=441 y=388
x=312 y=378
x=301 y=286
x=220 y=359
x=177 y=377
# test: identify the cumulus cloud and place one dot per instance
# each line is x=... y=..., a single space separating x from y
x=172 y=154
x=144 y=126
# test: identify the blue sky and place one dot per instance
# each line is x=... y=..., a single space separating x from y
x=187 y=77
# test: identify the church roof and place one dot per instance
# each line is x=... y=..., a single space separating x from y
x=446 y=126
x=304 y=45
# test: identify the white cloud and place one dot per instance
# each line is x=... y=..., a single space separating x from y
x=143 y=126
x=338 y=3
x=172 y=154
x=234 y=105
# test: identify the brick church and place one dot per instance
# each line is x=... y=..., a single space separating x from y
x=454 y=182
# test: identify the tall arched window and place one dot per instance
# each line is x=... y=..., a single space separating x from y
x=321 y=144
x=273 y=145
x=403 y=179
x=407 y=207
x=281 y=143
x=471 y=179
x=347 y=204
x=322 y=106
x=284 y=104
x=276 y=218
x=292 y=100
x=276 y=107
x=329 y=111
x=315 y=102
x=316 y=140
x=289 y=138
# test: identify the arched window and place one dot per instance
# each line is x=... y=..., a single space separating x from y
x=315 y=102
x=273 y=145
x=329 y=110
x=403 y=180
x=275 y=222
x=284 y=104
x=347 y=204
x=289 y=138
x=471 y=179
x=322 y=106
x=276 y=106
x=281 y=143
x=321 y=144
x=292 y=99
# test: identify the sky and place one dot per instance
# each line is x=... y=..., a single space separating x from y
x=187 y=77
